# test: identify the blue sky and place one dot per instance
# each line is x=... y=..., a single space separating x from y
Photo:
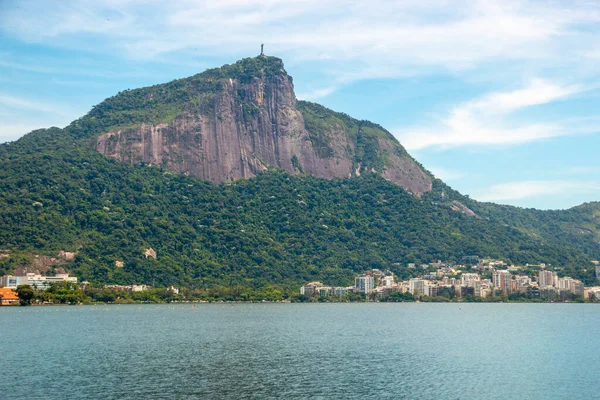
x=499 y=99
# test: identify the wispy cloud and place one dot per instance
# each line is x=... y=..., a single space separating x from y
x=317 y=93
x=351 y=41
x=449 y=34
x=38 y=113
x=446 y=174
x=485 y=121
x=13 y=102
x=525 y=189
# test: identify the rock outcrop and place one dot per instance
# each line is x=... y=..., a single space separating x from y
x=235 y=125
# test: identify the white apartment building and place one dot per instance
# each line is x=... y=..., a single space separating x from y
x=364 y=283
x=387 y=281
x=416 y=286
x=43 y=282
x=469 y=279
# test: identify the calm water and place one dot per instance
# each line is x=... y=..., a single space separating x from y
x=261 y=351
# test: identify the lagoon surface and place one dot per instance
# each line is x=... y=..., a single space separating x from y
x=298 y=351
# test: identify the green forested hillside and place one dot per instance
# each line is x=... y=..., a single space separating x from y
x=162 y=103
x=56 y=194
x=577 y=227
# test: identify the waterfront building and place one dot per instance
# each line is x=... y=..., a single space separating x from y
x=8 y=296
x=578 y=289
x=565 y=283
x=482 y=288
x=450 y=281
x=521 y=284
x=416 y=286
x=42 y=282
x=364 y=284
x=311 y=288
x=8 y=281
x=547 y=279
x=592 y=293
x=501 y=280
x=430 y=290
x=469 y=279
x=339 y=291
x=387 y=281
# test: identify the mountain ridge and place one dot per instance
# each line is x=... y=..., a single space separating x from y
x=238 y=120
x=282 y=227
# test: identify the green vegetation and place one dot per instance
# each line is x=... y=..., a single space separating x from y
x=577 y=228
x=322 y=123
x=261 y=236
x=26 y=294
x=163 y=103
x=255 y=239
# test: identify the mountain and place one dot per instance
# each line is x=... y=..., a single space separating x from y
x=242 y=119
x=151 y=187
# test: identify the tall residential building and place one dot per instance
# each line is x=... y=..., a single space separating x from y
x=598 y=272
x=547 y=278
x=416 y=286
x=501 y=280
x=364 y=283
x=566 y=283
x=578 y=289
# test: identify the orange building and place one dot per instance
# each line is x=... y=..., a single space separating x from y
x=8 y=296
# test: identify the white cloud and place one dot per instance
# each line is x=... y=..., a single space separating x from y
x=442 y=33
x=581 y=170
x=526 y=189
x=446 y=174
x=350 y=41
x=38 y=114
x=316 y=94
x=14 y=102
x=484 y=121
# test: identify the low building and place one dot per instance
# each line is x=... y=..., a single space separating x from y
x=310 y=288
x=8 y=296
x=129 y=288
x=386 y=281
x=42 y=282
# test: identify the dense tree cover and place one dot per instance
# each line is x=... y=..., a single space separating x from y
x=577 y=227
x=26 y=294
x=164 y=102
x=365 y=135
x=258 y=238
x=264 y=235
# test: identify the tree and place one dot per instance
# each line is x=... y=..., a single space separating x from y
x=25 y=293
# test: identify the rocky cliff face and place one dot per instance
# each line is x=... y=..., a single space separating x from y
x=242 y=119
